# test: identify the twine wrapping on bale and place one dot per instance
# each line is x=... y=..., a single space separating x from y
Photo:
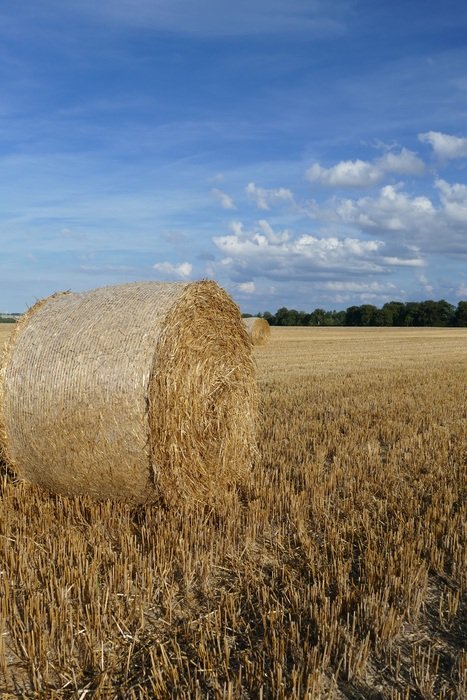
x=258 y=330
x=135 y=392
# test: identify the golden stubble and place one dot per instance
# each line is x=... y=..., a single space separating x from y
x=337 y=571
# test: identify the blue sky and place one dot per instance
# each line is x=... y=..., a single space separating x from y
x=302 y=153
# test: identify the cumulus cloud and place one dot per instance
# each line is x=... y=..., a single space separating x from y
x=404 y=163
x=265 y=198
x=347 y=173
x=341 y=291
x=224 y=199
x=395 y=215
x=247 y=287
x=454 y=200
x=263 y=232
x=395 y=261
x=359 y=287
x=264 y=252
x=328 y=268
x=182 y=270
x=445 y=146
x=361 y=173
x=391 y=210
x=265 y=229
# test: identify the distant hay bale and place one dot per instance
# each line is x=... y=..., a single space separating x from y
x=258 y=330
x=135 y=392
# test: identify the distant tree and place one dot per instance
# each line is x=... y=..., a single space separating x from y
x=460 y=315
x=426 y=314
x=446 y=312
x=282 y=316
x=382 y=317
x=360 y=315
x=335 y=318
x=368 y=315
x=318 y=317
x=293 y=318
x=434 y=313
x=410 y=313
x=352 y=316
x=270 y=318
x=394 y=310
x=393 y=313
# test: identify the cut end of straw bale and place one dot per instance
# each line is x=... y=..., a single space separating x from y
x=258 y=330
x=204 y=374
x=136 y=392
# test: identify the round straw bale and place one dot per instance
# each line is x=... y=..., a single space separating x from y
x=135 y=392
x=258 y=330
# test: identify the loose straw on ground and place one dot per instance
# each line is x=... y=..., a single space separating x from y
x=134 y=392
x=258 y=330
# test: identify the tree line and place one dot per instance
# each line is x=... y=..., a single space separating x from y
x=394 y=313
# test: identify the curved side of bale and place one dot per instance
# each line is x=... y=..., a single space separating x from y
x=5 y=356
x=258 y=330
x=107 y=391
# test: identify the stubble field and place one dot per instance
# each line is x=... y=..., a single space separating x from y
x=337 y=572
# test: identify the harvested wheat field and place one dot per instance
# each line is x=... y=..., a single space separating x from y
x=5 y=330
x=338 y=571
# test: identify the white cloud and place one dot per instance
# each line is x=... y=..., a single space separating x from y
x=359 y=287
x=445 y=146
x=454 y=200
x=183 y=270
x=341 y=291
x=247 y=287
x=361 y=173
x=264 y=252
x=328 y=268
x=425 y=283
x=347 y=173
x=236 y=227
x=327 y=249
x=266 y=229
x=262 y=235
x=404 y=163
x=402 y=219
x=461 y=291
x=265 y=198
x=403 y=262
x=392 y=210
x=225 y=200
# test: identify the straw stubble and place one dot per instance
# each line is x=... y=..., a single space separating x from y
x=134 y=392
